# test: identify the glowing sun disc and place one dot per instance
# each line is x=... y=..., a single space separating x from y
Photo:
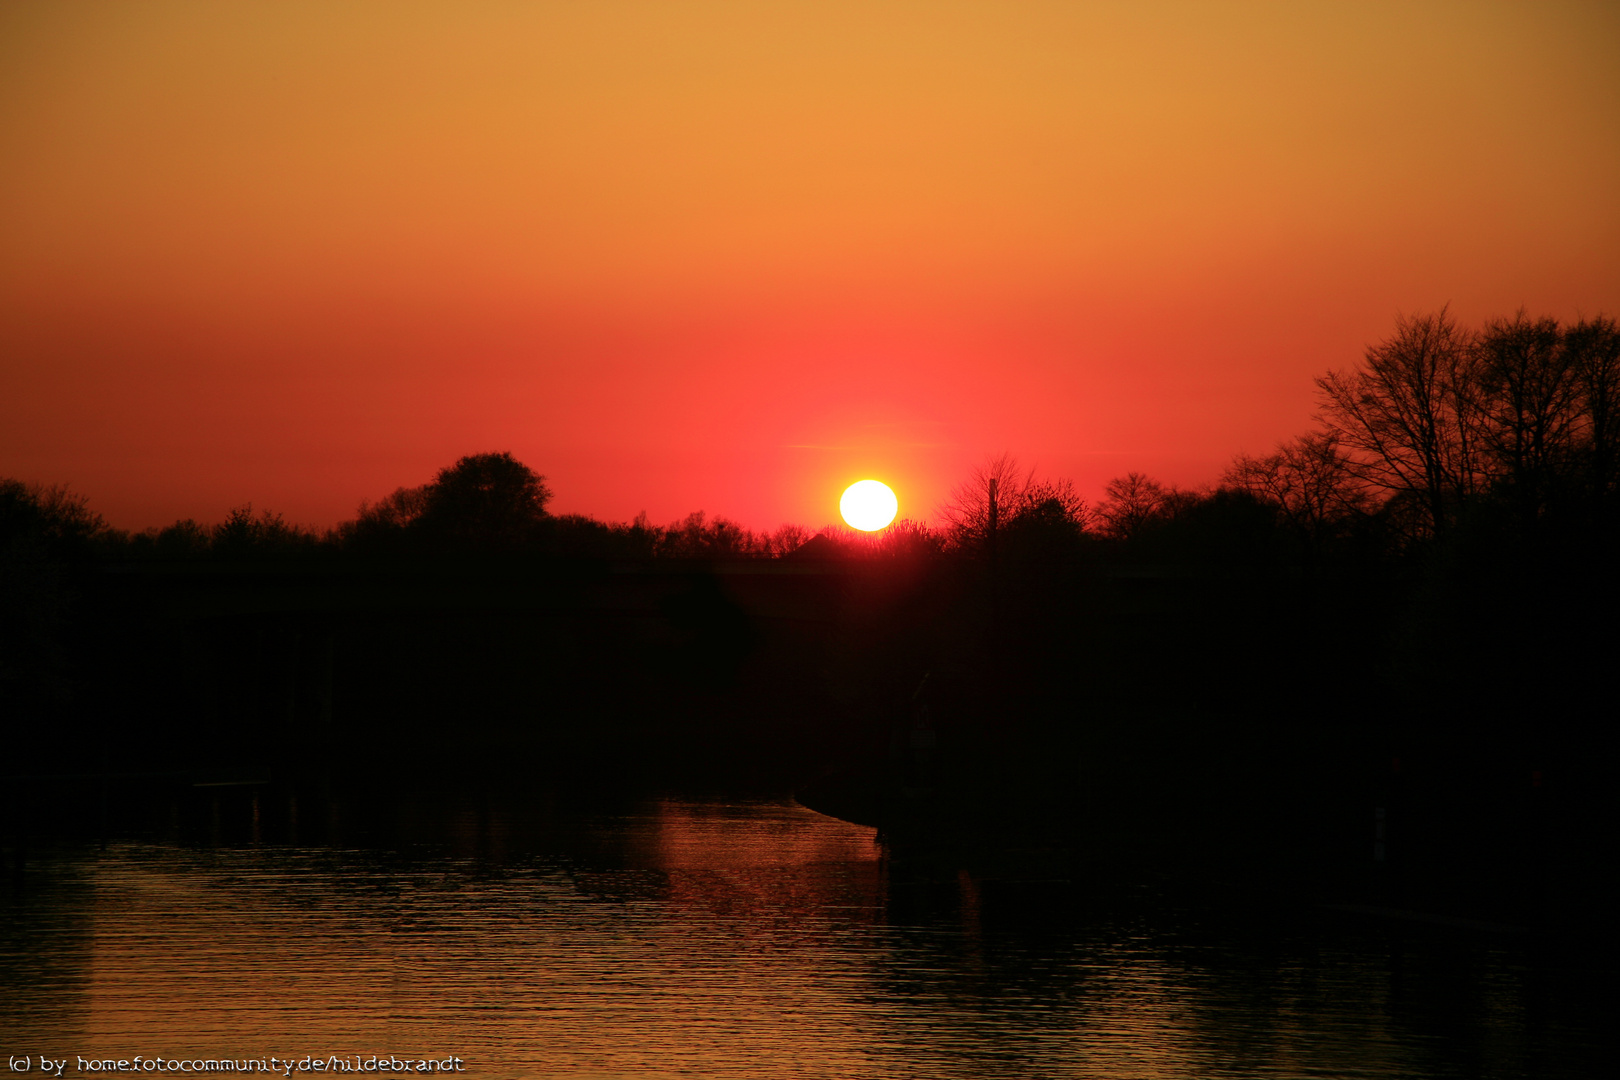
x=868 y=505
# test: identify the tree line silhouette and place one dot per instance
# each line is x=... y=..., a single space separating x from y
x=1467 y=476
x=1509 y=430
x=1424 y=582
x=1478 y=466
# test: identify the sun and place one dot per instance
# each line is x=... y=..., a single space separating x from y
x=868 y=505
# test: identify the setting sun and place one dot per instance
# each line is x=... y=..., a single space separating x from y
x=868 y=505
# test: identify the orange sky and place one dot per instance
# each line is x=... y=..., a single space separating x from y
x=731 y=256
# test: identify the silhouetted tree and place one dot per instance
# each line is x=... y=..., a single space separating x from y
x=1594 y=351
x=51 y=517
x=244 y=534
x=1516 y=419
x=1311 y=482
x=484 y=502
x=44 y=533
x=400 y=510
x=999 y=494
x=980 y=505
x=907 y=539
x=641 y=537
x=697 y=537
x=1228 y=526
x=184 y=539
x=385 y=526
x=1528 y=405
x=1407 y=417
x=1132 y=502
x=786 y=540
x=1045 y=534
x=577 y=535
x=1054 y=502
x=900 y=540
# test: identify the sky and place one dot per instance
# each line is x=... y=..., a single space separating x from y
x=733 y=256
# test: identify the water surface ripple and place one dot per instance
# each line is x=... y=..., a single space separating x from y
x=714 y=938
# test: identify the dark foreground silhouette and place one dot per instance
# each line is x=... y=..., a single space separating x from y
x=1361 y=668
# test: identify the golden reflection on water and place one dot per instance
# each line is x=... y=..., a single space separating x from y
x=670 y=939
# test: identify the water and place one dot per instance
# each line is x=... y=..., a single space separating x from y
x=715 y=938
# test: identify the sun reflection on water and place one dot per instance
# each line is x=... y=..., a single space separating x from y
x=676 y=938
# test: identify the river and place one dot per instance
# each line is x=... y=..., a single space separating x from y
x=716 y=937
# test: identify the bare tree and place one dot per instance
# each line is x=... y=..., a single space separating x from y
x=1407 y=419
x=1310 y=480
x=1132 y=501
x=1594 y=353
x=999 y=496
x=906 y=539
x=1528 y=401
x=981 y=504
x=785 y=540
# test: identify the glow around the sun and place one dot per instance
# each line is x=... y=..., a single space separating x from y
x=868 y=505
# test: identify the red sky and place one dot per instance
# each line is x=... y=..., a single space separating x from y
x=732 y=256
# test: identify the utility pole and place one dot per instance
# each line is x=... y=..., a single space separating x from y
x=993 y=515
x=995 y=588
